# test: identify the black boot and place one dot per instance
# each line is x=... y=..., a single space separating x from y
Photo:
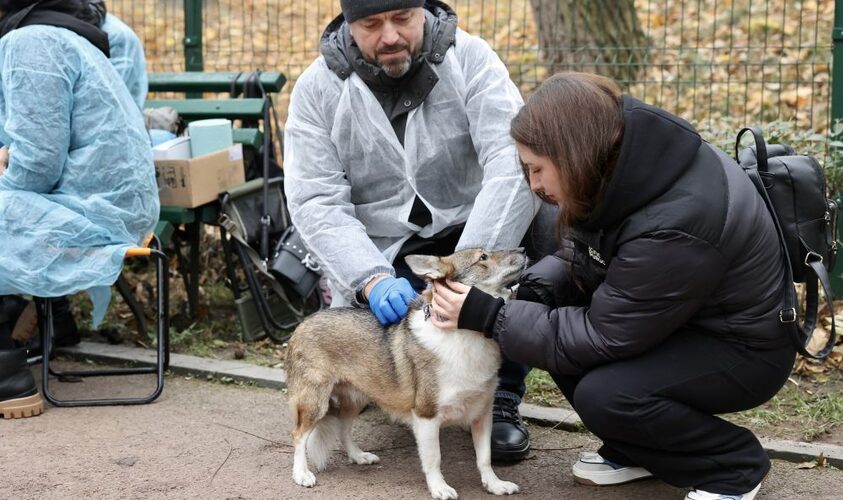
x=510 y=438
x=19 y=396
x=65 y=332
x=11 y=310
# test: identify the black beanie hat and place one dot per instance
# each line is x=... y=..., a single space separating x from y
x=353 y=10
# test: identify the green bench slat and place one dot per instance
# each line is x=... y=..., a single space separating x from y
x=196 y=109
x=207 y=214
x=251 y=137
x=210 y=213
x=177 y=215
x=272 y=81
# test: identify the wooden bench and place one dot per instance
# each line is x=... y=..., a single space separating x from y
x=183 y=226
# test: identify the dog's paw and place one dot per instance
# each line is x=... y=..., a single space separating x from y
x=499 y=487
x=442 y=491
x=304 y=478
x=364 y=458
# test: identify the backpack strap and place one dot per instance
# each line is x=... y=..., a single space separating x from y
x=801 y=334
x=232 y=86
x=259 y=263
x=812 y=295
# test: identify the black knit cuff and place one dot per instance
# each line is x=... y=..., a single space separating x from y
x=479 y=312
x=360 y=297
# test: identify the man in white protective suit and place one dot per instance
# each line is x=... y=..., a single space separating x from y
x=397 y=142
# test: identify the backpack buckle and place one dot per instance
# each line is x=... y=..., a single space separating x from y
x=310 y=263
x=788 y=315
x=813 y=257
x=225 y=222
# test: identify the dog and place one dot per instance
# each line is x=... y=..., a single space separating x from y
x=338 y=360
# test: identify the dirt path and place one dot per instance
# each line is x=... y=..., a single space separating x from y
x=212 y=441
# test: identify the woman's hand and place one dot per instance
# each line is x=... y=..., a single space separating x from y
x=448 y=299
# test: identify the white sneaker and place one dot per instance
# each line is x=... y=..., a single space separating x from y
x=595 y=470
x=705 y=495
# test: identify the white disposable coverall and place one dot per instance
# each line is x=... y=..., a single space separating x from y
x=351 y=185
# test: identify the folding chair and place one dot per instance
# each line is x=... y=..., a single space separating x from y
x=45 y=323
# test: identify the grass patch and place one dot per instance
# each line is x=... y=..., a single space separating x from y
x=805 y=411
x=807 y=408
x=542 y=390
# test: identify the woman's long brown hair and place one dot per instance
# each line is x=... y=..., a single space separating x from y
x=576 y=120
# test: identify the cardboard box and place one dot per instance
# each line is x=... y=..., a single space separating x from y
x=194 y=182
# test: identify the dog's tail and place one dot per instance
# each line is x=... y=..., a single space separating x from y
x=325 y=435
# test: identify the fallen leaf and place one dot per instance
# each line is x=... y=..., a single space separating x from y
x=818 y=340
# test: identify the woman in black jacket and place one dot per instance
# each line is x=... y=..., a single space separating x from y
x=661 y=310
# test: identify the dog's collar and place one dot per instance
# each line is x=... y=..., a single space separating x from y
x=426 y=310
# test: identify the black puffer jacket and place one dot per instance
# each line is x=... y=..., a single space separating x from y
x=687 y=243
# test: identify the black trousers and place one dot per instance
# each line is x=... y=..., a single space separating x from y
x=658 y=410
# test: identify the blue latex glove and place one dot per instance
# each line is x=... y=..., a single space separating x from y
x=389 y=299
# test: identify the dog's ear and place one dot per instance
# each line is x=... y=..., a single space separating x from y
x=428 y=267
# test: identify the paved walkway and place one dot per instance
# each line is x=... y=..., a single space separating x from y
x=277 y=378
x=226 y=441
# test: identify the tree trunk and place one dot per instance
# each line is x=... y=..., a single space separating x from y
x=599 y=36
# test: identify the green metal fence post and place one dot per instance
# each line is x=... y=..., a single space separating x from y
x=193 y=35
x=837 y=64
x=837 y=115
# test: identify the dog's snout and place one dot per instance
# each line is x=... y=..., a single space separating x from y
x=518 y=258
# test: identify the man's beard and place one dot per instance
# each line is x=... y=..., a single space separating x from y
x=396 y=69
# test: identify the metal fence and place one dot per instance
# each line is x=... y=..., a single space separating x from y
x=718 y=63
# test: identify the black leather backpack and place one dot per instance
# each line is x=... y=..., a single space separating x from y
x=794 y=190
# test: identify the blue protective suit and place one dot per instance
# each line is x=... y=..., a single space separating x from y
x=127 y=57
x=80 y=186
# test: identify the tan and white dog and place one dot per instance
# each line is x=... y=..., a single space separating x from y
x=340 y=359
